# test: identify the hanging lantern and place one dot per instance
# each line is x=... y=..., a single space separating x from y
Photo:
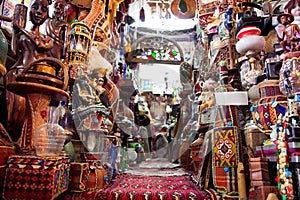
x=80 y=42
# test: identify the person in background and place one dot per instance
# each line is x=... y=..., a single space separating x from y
x=158 y=112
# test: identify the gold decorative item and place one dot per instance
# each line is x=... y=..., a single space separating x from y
x=78 y=51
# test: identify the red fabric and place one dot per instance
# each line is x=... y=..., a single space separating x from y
x=138 y=186
x=226 y=181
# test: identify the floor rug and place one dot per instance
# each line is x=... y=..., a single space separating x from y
x=132 y=187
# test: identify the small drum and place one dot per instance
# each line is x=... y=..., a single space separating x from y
x=87 y=177
x=96 y=178
x=78 y=174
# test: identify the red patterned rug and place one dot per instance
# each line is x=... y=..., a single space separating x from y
x=134 y=187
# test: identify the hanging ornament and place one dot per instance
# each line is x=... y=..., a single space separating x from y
x=142 y=12
x=182 y=6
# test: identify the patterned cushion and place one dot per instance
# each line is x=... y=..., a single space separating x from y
x=33 y=177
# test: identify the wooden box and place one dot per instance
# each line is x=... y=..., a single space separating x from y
x=35 y=177
x=259 y=171
x=254 y=137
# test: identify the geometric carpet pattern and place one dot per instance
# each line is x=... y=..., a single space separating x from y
x=133 y=187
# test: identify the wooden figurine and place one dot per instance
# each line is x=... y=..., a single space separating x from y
x=57 y=28
x=30 y=45
x=287 y=32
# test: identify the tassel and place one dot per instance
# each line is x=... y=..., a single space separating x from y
x=142 y=14
x=182 y=6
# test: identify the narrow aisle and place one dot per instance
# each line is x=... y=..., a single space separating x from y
x=155 y=179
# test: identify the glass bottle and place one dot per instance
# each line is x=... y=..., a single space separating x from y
x=49 y=138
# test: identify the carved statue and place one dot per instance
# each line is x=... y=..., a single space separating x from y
x=288 y=32
x=30 y=45
x=207 y=98
x=57 y=28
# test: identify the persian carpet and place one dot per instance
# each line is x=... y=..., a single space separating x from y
x=134 y=187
